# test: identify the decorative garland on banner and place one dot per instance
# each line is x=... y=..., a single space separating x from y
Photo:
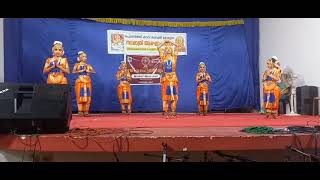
x=168 y=23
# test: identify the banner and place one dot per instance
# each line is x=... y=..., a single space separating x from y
x=143 y=43
x=145 y=70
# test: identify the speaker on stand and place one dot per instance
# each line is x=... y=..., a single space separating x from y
x=305 y=96
x=32 y=108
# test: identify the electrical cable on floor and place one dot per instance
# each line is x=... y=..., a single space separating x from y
x=40 y=148
x=120 y=137
x=317 y=121
x=32 y=146
x=37 y=141
x=24 y=151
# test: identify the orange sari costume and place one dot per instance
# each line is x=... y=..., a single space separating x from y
x=203 y=89
x=170 y=85
x=169 y=81
x=83 y=87
x=124 y=92
x=56 y=75
x=271 y=91
x=124 y=89
x=277 y=90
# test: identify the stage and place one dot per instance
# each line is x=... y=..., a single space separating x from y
x=143 y=132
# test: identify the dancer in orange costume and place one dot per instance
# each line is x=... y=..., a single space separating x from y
x=277 y=71
x=170 y=92
x=203 y=78
x=57 y=66
x=271 y=89
x=124 y=88
x=83 y=84
x=170 y=83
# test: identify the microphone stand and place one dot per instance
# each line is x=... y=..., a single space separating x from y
x=315 y=144
x=232 y=158
x=164 y=152
x=312 y=157
x=169 y=158
x=165 y=158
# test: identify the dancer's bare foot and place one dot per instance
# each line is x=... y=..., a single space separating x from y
x=166 y=114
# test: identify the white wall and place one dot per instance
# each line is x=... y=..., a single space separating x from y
x=1 y=52
x=296 y=42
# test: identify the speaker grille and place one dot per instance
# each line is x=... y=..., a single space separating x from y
x=305 y=96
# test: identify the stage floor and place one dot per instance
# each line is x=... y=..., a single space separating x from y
x=157 y=120
x=147 y=132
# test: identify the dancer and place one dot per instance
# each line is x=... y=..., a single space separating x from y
x=277 y=70
x=270 y=78
x=57 y=66
x=203 y=78
x=169 y=93
x=83 y=85
x=124 y=89
x=169 y=81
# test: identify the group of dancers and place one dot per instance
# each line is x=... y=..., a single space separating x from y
x=57 y=66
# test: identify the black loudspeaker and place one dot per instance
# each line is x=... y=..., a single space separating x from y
x=32 y=108
x=305 y=95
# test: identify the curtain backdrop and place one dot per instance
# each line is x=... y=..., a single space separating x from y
x=231 y=53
